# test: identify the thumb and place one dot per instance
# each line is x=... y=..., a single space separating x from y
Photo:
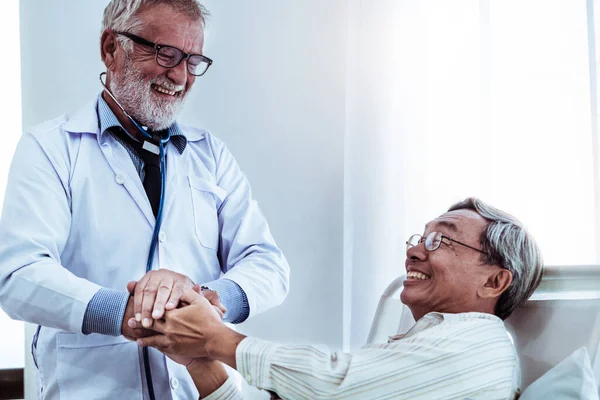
x=131 y=286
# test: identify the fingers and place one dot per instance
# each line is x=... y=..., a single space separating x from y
x=133 y=330
x=158 y=326
x=138 y=297
x=218 y=310
x=133 y=324
x=164 y=291
x=155 y=295
x=190 y=297
x=134 y=334
x=143 y=297
x=213 y=298
x=131 y=287
x=156 y=292
x=176 y=293
x=159 y=342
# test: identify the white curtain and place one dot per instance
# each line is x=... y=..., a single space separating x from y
x=450 y=99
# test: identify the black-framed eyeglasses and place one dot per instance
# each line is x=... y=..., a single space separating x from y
x=433 y=240
x=170 y=57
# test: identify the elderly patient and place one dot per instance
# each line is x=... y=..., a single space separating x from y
x=469 y=270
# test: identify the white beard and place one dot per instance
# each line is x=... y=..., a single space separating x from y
x=135 y=94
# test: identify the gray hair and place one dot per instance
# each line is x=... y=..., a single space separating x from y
x=122 y=15
x=506 y=243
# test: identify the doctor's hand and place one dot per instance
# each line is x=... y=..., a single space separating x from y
x=194 y=331
x=156 y=292
x=210 y=295
x=133 y=333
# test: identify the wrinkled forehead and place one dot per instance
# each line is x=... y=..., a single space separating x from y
x=458 y=224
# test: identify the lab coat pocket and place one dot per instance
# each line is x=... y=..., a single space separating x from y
x=206 y=200
x=97 y=366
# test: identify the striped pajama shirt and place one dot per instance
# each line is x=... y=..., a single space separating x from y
x=444 y=356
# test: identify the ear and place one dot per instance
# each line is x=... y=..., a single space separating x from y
x=108 y=48
x=497 y=282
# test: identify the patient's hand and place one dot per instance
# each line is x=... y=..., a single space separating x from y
x=207 y=375
x=186 y=331
x=185 y=361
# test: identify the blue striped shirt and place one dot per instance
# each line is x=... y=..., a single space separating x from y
x=104 y=313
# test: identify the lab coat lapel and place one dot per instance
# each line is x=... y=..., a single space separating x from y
x=126 y=174
x=86 y=121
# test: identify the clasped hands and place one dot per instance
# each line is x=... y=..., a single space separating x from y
x=168 y=312
x=157 y=295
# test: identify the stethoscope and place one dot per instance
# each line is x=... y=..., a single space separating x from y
x=163 y=175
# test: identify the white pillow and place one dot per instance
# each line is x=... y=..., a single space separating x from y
x=572 y=378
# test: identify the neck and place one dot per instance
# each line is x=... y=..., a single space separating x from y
x=483 y=307
x=122 y=118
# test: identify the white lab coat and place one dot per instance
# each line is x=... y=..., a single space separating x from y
x=76 y=218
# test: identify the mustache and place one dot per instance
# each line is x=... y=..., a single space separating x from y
x=167 y=84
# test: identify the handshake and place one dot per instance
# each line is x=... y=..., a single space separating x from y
x=166 y=310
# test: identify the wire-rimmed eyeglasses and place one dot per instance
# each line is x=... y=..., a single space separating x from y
x=170 y=57
x=433 y=240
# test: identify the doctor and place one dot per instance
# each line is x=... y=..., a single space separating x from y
x=97 y=196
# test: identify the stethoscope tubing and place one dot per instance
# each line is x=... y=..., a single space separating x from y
x=153 y=244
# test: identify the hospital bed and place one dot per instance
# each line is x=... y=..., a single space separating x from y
x=562 y=315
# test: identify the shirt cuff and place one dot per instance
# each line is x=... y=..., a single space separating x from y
x=253 y=359
x=233 y=298
x=104 y=313
x=227 y=391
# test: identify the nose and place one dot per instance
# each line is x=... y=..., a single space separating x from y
x=179 y=73
x=417 y=253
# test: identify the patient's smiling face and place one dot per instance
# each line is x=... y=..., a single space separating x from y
x=454 y=274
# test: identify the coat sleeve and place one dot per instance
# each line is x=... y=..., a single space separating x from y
x=34 y=228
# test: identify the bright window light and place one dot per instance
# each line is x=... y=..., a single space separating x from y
x=508 y=120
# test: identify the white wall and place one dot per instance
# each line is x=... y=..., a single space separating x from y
x=275 y=94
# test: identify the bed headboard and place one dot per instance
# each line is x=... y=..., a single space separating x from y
x=562 y=316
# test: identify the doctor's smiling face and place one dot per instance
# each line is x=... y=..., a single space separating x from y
x=453 y=277
x=151 y=93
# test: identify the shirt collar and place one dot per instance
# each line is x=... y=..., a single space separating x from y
x=435 y=318
x=107 y=120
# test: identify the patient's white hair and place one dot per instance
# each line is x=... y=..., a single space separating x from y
x=122 y=15
x=506 y=243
